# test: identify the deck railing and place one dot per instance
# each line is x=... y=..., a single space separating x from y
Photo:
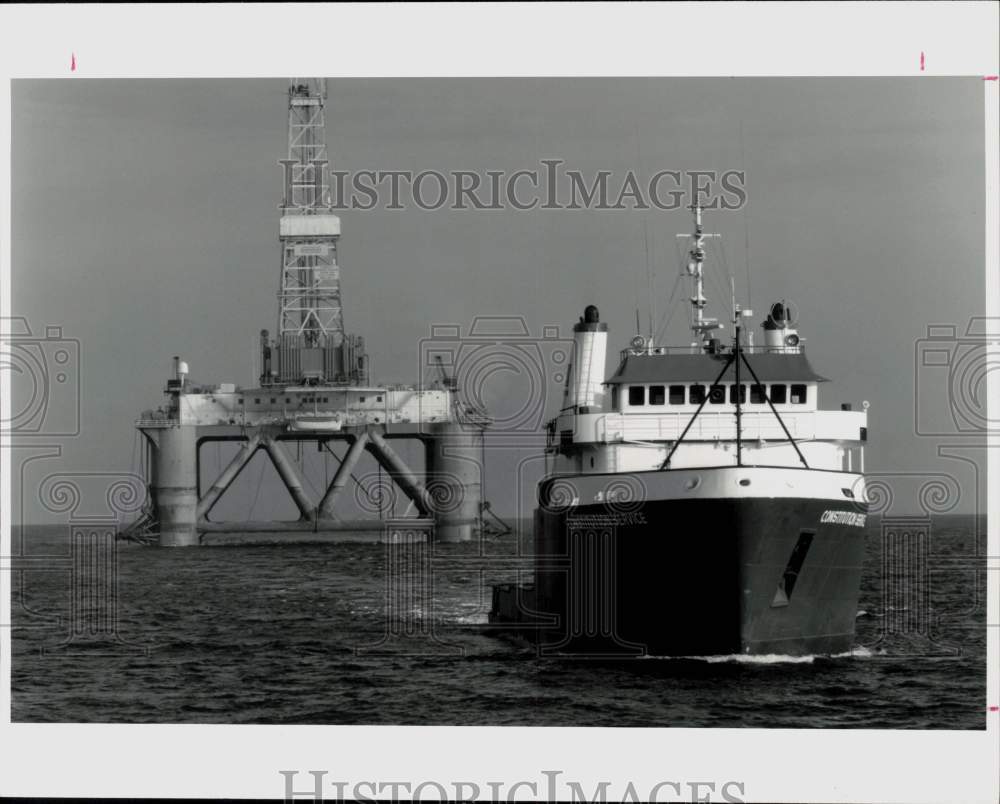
x=699 y=350
x=816 y=425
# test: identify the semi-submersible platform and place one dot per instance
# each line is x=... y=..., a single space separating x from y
x=314 y=387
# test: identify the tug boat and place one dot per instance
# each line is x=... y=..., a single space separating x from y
x=698 y=501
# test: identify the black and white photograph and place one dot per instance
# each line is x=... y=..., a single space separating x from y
x=607 y=411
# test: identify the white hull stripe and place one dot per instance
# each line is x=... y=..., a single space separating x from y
x=729 y=482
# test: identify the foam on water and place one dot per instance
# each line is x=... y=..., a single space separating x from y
x=772 y=658
x=781 y=658
x=762 y=658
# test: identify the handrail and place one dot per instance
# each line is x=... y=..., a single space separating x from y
x=814 y=425
x=656 y=351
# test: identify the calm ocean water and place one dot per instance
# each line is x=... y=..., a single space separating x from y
x=306 y=633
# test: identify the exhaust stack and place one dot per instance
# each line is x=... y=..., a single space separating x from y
x=585 y=378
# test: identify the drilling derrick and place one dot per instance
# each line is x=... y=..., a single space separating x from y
x=311 y=347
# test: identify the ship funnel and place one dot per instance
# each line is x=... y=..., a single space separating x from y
x=585 y=378
x=180 y=370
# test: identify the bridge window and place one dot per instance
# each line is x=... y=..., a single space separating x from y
x=272 y=400
x=637 y=394
x=256 y=401
x=756 y=394
x=362 y=399
x=676 y=394
x=717 y=395
x=241 y=400
x=743 y=393
x=656 y=394
x=614 y=397
x=378 y=399
x=696 y=394
x=798 y=394
x=778 y=392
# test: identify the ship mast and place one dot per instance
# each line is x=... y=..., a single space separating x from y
x=700 y=325
x=736 y=355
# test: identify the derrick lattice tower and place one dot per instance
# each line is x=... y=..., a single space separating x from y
x=311 y=344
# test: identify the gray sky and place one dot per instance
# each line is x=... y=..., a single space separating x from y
x=145 y=224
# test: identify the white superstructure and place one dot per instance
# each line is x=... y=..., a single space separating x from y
x=701 y=405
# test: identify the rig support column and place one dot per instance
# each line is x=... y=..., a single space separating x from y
x=454 y=481
x=175 y=489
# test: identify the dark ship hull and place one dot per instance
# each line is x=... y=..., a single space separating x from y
x=693 y=562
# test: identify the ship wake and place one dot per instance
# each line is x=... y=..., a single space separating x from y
x=771 y=658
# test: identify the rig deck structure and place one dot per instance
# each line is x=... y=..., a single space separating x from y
x=446 y=496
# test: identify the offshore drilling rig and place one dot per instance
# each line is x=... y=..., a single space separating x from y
x=314 y=387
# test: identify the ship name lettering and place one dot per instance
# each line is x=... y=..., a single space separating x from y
x=844 y=518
